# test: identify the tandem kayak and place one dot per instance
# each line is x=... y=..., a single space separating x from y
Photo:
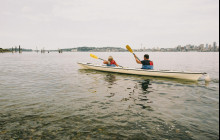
x=191 y=76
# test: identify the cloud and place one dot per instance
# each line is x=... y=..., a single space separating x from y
x=26 y=9
x=163 y=23
x=129 y=10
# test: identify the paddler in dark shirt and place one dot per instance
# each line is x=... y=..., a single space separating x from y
x=146 y=63
x=111 y=62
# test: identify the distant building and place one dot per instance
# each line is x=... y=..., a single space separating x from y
x=74 y=50
x=210 y=47
x=215 y=46
x=188 y=47
x=201 y=47
x=183 y=49
x=163 y=50
x=179 y=48
x=207 y=46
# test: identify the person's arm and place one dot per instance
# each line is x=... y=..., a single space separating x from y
x=105 y=62
x=138 y=61
x=116 y=64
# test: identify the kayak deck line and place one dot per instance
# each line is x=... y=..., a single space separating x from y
x=192 y=76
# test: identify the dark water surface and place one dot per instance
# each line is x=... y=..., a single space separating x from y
x=47 y=96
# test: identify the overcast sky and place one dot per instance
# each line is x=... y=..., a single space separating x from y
x=54 y=24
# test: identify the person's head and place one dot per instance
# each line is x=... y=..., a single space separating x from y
x=146 y=57
x=110 y=58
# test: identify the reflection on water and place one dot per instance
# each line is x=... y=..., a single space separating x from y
x=138 y=97
x=145 y=84
x=110 y=78
x=143 y=99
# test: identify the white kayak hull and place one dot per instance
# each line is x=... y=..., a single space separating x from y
x=191 y=76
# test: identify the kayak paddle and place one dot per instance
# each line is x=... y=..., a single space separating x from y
x=131 y=51
x=96 y=57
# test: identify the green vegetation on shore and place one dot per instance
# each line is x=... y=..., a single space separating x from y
x=4 y=50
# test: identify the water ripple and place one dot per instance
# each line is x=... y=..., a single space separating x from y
x=48 y=97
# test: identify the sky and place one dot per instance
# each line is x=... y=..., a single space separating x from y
x=53 y=24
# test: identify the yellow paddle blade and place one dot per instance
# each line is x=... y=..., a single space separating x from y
x=94 y=56
x=129 y=49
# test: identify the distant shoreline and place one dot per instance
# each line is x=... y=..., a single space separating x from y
x=103 y=52
x=115 y=49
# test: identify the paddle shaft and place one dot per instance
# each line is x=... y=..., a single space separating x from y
x=101 y=59
x=136 y=57
x=131 y=51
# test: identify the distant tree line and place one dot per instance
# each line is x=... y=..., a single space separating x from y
x=4 y=50
x=94 y=49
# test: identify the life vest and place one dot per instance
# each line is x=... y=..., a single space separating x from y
x=112 y=64
x=147 y=64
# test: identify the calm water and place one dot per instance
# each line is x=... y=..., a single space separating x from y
x=47 y=96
